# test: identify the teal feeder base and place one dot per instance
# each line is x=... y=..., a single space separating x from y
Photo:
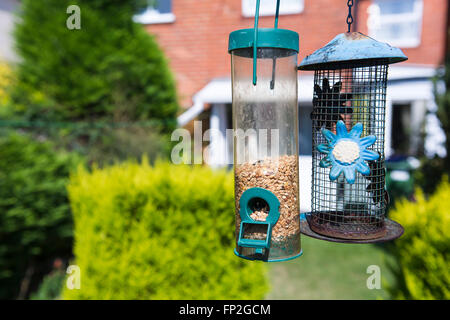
x=289 y=248
x=269 y=260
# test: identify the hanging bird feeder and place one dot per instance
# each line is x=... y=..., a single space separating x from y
x=265 y=122
x=349 y=199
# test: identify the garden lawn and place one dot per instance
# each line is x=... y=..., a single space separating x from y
x=328 y=270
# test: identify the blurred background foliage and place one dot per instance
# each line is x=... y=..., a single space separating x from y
x=431 y=171
x=422 y=254
x=52 y=284
x=35 y=220
x=5 y=80
x=161 y=232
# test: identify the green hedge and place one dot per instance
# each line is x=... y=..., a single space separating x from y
x=35 y=219
x=423 y=252
x=162 y=232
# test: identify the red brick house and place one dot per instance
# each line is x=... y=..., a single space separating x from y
x=194 y=36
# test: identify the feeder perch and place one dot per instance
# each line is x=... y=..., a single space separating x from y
x=265 y=123
x=349 y=198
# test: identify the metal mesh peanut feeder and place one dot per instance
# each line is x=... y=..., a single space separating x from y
x=349 y=199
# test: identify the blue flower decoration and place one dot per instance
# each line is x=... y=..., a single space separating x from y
x=347 y=151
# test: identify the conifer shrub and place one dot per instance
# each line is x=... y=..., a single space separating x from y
x=110 y=68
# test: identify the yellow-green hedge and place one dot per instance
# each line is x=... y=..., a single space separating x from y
x=5 y=80
x=162 y=232
x=423 y=252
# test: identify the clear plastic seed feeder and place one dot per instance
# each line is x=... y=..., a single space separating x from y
x=349 y=199
x=265 y=122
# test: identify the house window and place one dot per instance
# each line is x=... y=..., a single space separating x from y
x=305 y=130
x=401 y=129
x=157 y=11
x=398 y=22
x=268 y=7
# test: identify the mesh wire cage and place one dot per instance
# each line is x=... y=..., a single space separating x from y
x=349 y=199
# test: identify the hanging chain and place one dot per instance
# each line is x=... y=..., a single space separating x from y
x=349 y=17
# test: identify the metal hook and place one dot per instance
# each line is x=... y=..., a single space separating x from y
x=349 y=17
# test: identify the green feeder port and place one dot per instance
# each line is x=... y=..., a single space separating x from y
x=265 y=123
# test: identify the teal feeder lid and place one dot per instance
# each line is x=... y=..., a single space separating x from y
x=267 y=38
x=352 y=47
x=263 y=38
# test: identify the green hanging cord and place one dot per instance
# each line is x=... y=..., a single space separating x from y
x=274 y=63
x=255 y=39
x=276 y=14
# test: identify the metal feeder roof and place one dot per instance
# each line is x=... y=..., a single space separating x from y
x=351 y=47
